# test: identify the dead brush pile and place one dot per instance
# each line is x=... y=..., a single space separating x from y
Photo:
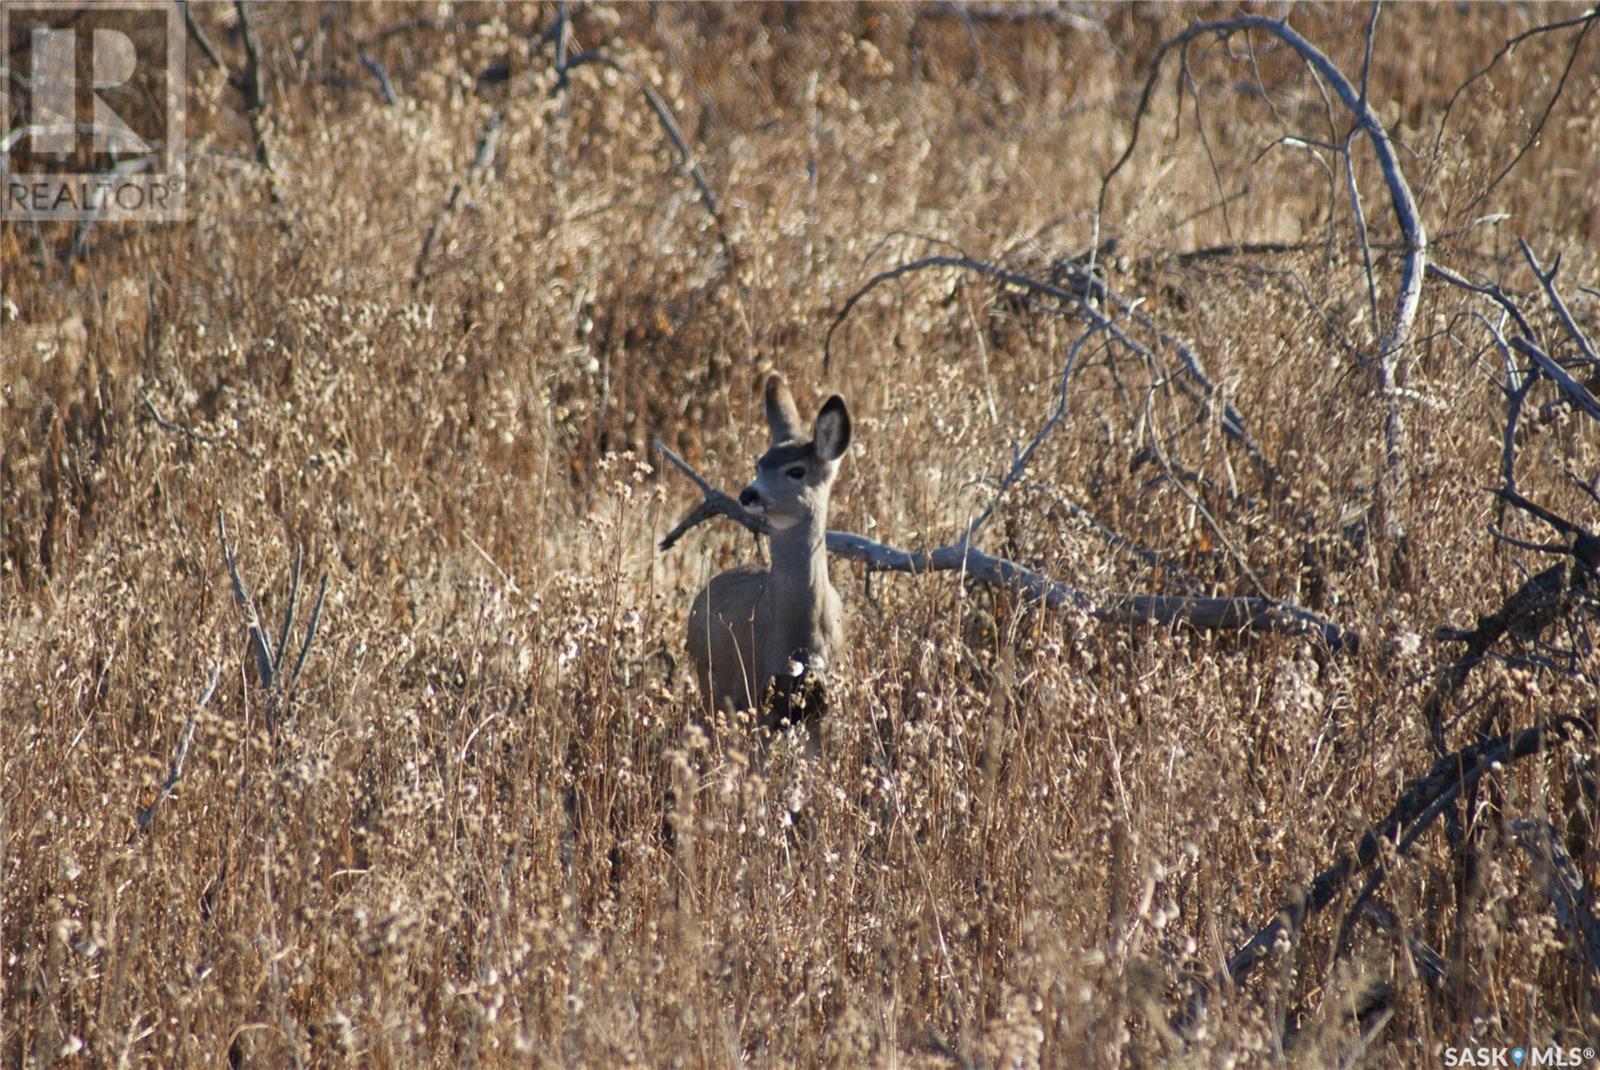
x=431 y=348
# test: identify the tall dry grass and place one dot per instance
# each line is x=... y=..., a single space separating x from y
x=486 y=830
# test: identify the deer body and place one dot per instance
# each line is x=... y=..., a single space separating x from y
x=750 y=625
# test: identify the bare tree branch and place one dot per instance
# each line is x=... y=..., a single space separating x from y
x=1421 y=804
x=181 y=753
x=1405 y=208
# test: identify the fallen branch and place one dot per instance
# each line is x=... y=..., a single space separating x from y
x=1205 y=614
x=167 y=425
x=1569 y=897
x=1422 y=803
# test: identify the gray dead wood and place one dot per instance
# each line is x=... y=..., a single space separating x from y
x=1569 y=896
x=269 y=657
x=1416 y=809
x=1205 y=614
x=181 y=753
x=1407 y=216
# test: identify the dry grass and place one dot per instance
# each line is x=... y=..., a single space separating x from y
x=1028 y=833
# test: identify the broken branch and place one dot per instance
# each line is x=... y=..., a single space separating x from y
x=1205 y=614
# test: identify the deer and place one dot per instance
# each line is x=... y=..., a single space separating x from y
x=754 y=628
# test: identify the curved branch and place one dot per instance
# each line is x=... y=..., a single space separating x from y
x=1406 y=213
x=1232 y=421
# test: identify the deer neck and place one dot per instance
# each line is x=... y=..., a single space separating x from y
x=799 y=584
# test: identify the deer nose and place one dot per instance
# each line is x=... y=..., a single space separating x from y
x=748 y=497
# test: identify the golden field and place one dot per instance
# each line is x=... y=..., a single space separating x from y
x=487 y=825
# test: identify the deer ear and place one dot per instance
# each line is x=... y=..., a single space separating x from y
x=783 y=419
x=832 y=436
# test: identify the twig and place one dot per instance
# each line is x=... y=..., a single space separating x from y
x=167 y=425
x=254 y=91
x=1434 y=966
x=1516 y=390
x=1538 y=126
x=482 y=159
x=1366 y=55
x=181 y=753
x=385 y=87
x=198 y=32
x=1360 y=216
x=288 y=611
x=669 y=125
x=1020 y=462
x=1505 y=50
x=1492 y=291
x=1117 y=541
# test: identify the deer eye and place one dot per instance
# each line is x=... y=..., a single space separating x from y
x=797 y=472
